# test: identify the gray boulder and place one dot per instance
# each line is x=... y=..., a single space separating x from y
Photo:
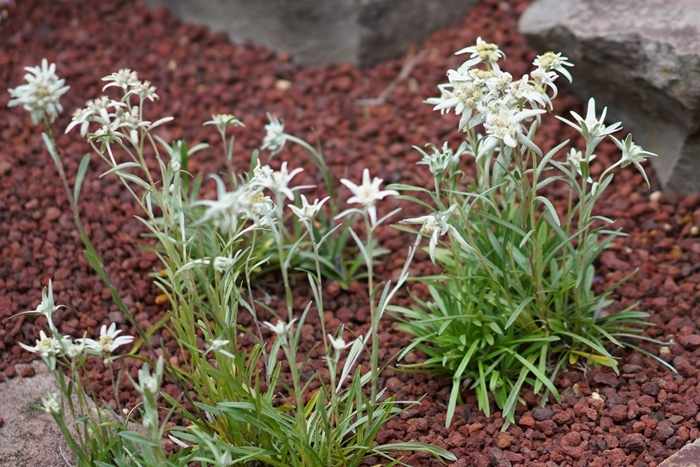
x=316 y=32
x=641 y=58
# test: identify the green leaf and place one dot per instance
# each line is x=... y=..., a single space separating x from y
x=80 y=176
x=517 y=311
x=550 y=208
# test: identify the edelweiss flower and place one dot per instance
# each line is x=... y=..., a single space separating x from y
x=274 y=138
x=544 y=79
x=69 y=349
x=218 y=345
x=148 y=383
x=46 y=346
x=108 y=341
x=591 y=128
x=435 y=226
x=46 y=307
x=51 y=404
x=40 y=93
x=307 y=211
x=367 y=194
x=276 y=181
x=549 y=61
x=522 y=90
x=145 y=90
x=223 y=121
x=339 y=343
x=225 y=211
x=633 y=154
x=282 y=329
x=124 y=79
x=441 y=160
x=503 y=124
x=575 y=159
x=482 y=52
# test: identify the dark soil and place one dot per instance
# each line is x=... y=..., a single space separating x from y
x=645 y=414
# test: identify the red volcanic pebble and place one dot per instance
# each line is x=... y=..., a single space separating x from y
x=641 y=416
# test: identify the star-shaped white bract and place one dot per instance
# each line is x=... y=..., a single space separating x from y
x=633 y=154
x=108 y=341
x=367 y=194
x=274 y=137
x=435 y=226
x=41 y=92
x=592 y=128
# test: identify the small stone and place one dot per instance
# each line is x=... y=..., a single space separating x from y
x=28 y=371
x=674 y=442
x=11 y=371
x=527 y=420
x=619 y=413
x=690 y=342
x=53 y=213
x=116 y=317
x=664 y=430
x=609 y=379
x=542 y=413
x=345 y=314
x=634 y=442
x=631 y=369
x=333 y=289
x=504 y=441
x=650 y=388
x=393 y=383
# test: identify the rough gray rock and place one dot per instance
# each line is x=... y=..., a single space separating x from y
x=641 y=58
x=689 y=456
x=316 y=32
x=29 y=437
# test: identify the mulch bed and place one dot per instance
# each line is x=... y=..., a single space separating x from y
x=645 y=414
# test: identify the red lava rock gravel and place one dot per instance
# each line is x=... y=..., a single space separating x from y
x=636 y=419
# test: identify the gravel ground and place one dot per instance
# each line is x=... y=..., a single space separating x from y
x=645 y=414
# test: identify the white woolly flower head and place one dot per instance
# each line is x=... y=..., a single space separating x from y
x=41 y=92
x=307 y=212
x=223 y=121
x=281 y=329
x=124 y=78
x=108 y=341
x=51 y=404
x=435 y=226
x=45 y=347
x=482 y=52
x=277 y=181
x=633 y=154
x=592 y=128
x=225 y=211
x=503 y=125
x=367 y=194
x=274 y=137
x=576 y=159
x=550 y=61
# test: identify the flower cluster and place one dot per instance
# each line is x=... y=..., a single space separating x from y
x=491 y=96
x=367 y=194
x=50 y=347
x=41 y=92
x=117 y=119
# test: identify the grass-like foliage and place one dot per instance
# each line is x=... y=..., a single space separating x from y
x=514 y=304
x=246 y=394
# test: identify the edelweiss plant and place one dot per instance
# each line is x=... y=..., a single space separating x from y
x=514 y=304
x=246 y=405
